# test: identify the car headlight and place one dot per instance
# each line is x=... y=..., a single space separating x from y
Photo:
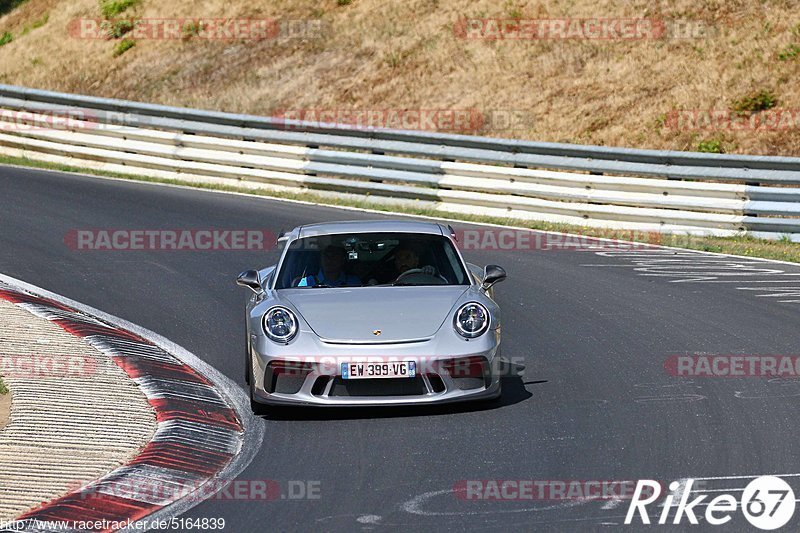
x=471 y=320
x=280 y=324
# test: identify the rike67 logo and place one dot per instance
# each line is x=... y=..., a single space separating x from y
x=767 y=503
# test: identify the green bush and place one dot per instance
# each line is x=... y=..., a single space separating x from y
x=343 y=2
x=6 y=38
x=712 y=146
x=755 y=102
x=123 y=46
x=112 y=8
x=120 y=28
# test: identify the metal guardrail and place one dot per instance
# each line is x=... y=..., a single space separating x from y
x=646 y=190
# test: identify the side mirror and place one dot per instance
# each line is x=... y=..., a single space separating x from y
x=492 y=274
x=250 y=279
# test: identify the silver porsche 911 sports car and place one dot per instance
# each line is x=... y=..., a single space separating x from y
x=371 y=313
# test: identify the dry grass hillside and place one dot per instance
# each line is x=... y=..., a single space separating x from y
x=372 y=55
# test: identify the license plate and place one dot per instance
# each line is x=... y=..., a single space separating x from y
x=400 y=369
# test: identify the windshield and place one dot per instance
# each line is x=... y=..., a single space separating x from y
x=371 y=259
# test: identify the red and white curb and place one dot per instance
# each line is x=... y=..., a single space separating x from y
x=206 y=434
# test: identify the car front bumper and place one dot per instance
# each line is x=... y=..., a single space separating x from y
x=321 y=384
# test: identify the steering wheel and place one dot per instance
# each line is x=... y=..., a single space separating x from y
x=419 y=271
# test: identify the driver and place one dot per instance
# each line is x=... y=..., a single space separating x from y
x=331 y=272
x=406 y=257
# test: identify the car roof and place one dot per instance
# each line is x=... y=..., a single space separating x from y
x=371 y=226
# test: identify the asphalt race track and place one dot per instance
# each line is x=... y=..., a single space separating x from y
x=592 y=331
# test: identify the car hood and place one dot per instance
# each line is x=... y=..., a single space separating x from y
x=401 y=314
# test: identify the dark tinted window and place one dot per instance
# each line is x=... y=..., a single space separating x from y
x=361 y=259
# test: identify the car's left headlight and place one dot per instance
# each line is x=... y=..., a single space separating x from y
x=471 y=320
x=280 y=324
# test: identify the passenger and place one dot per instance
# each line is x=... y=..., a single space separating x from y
x=331 y=272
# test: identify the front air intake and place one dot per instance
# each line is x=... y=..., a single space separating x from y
x=286 y=377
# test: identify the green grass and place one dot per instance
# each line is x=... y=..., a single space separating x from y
x=755 y=102
x=790 y=52
x=6 y=38
x=36 y=24
x=745 y=245
x=3 y=388
x=711 y=146
x=123 y=46
x=112 y=8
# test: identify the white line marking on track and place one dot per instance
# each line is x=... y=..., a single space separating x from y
x=414 y=506
x=673 y=398
x=701 y=267
x=369 y=519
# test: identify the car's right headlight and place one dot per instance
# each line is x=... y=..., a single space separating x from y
x=471 y=320
x=280 y=324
